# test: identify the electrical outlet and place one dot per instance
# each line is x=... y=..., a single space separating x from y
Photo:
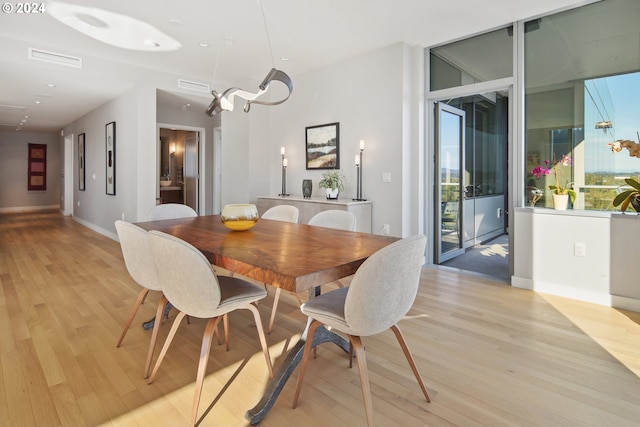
x=579 y=249
x=385 y=229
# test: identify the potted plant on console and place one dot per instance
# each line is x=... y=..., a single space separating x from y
x=561 y=193
x=333 y=182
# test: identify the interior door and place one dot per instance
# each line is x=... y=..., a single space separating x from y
x=191 y=172
x=449 y=169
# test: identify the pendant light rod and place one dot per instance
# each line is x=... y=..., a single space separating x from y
x=266 y=30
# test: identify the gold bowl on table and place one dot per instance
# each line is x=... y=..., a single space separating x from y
x=239 y=217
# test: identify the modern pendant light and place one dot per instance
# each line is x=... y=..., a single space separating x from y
x=224 y=102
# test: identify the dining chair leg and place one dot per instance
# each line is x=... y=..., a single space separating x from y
x=154 y=334
x=276 y=298
x=225 y=322
x=141 y=297
x=350 y=355
x=263 y=341
x=358 y=349
x=407 y=353
x=305 y=358
x=212 y=325
x=167 y=343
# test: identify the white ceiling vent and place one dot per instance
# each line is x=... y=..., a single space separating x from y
x=55 y=58
x=198 y=87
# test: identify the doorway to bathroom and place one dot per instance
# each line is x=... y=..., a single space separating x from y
x=179 y=166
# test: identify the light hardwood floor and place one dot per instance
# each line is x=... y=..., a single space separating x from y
x=490 y=355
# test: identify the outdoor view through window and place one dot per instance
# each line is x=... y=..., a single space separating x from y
x=596 y=171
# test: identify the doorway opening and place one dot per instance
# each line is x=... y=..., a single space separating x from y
x=179 y=167
x=471 y=226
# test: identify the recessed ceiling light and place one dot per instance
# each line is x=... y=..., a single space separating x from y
x=37 y=101
x=203 y=44
x=284 y=58
x=51 y=85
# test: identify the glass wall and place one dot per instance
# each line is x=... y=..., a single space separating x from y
x=485 y=144
x=582 y=86
x=477 y=59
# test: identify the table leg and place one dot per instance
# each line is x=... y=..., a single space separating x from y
x=289 y=364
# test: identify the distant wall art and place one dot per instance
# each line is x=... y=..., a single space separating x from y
x=110 y=142
x=81 y=162
x=37 y=169
x=323 y=146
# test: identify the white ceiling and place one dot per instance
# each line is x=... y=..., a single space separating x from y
x=310 y=34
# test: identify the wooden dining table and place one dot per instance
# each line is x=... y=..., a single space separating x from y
x=294 y=257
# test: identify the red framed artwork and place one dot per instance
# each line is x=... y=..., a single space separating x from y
x=37 y=168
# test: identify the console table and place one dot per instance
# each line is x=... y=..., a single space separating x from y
x=309 y=207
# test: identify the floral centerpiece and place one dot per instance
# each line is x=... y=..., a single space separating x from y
x=548 y=166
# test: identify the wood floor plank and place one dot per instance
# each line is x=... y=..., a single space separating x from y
x=488 y=353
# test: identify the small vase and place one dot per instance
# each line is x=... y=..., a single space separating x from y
x=307 y=187
x=239 y=217
x=332 y=193
x=560 y=201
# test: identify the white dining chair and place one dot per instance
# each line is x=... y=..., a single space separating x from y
x=136 y=251
x=334 y=218
x=191 y=285
x=380 y=295
x=285 y=213
x=171 y=211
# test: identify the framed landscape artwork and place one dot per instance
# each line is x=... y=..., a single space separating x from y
x=323 y=146
x=81 y=174
x=110 y=141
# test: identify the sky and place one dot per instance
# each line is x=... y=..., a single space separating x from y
x=624 y=92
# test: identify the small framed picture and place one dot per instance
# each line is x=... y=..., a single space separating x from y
x=81 y=172
x=323 y=146
x=110 y=144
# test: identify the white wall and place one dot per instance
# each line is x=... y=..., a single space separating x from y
x=14 y=195
x=547 y=262
x=374 y=97
x=135 y=116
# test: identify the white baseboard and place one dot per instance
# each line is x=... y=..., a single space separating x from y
x=577 y=294
x=100 y=230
